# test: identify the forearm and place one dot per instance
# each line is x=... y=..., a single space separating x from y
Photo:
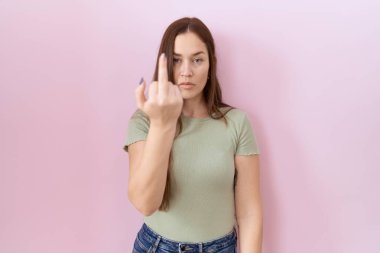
x=149 y=180
x=251 y=233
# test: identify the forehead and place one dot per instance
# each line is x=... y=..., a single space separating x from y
x=188 y=43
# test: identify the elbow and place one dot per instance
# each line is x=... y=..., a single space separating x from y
x=145 y=209
x=142 y=205
x=147 y=212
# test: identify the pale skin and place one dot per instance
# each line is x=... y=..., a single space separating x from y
x=148 y=160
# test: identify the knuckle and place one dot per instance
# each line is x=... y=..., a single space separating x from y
x=161 y=102
x=149 y=103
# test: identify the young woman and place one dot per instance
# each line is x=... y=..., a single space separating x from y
x=193 y=159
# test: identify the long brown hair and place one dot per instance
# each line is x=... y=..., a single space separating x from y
x=211 y=92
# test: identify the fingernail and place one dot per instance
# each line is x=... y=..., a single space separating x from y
x=141 y=81
x=163 y=56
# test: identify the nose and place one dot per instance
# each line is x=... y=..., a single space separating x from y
x=186 y=70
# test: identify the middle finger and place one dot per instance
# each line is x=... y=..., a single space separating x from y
x=163 y=84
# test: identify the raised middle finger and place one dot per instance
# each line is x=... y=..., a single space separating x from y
x=163 y=84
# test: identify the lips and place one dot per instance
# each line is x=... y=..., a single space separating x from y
x=186 y=86
x=186 y=83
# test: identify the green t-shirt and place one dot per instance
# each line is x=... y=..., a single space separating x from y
x=202 y=177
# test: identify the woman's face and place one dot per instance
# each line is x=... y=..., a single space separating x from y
x=190 y=65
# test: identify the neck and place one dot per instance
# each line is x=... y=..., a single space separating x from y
x=195 y=108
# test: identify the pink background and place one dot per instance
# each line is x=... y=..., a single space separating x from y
x=307 y=73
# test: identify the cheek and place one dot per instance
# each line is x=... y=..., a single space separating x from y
x=175 y=75
x=204 y=72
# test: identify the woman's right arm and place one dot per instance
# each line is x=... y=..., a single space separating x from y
x=148 y=164
x=149 y=159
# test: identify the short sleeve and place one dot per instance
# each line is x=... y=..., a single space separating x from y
x=247 y=144
x=138 y=128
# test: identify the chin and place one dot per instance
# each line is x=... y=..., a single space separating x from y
x=186 y=97
x=190 y=94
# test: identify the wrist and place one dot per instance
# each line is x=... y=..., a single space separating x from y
x=164 y=127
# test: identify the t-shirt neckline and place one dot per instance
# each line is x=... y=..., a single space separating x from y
x=195 y=119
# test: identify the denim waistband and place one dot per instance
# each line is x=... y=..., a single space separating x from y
x=159 y=241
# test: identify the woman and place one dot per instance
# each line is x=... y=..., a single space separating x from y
x=194 y=166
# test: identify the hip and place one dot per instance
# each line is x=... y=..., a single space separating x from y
x=148 y=241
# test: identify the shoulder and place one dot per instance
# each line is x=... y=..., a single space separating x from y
x=236 y=114
x=139 y=118
x=236 y=117
x=139 y=114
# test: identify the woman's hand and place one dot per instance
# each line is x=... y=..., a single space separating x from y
x=164 y=103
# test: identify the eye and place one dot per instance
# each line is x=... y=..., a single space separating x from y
x=176 y=60
x=198 y=60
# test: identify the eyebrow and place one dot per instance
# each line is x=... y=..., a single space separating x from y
x=197 y=53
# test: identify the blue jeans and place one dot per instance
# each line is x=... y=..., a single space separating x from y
x=148 y=241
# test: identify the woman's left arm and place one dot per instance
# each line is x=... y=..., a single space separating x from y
x=249 y=214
